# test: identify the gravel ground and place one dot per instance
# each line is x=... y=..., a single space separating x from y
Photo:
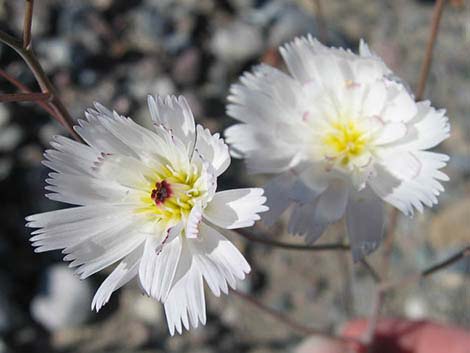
x=117 y=52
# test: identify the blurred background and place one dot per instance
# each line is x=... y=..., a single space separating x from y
x=117 y=52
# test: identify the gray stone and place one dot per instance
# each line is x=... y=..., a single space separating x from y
x=147 y=27
x=237 y=41
x=10 y=137
x=5 y=167
x=4 y=115
x=56 y=52
x=3 y=347
x=65 y=301
x=186 y=69
x=290 y=23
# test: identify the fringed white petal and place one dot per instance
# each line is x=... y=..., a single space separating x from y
x=213 y=149
x=211 y=257
x=236 y=208
x=65 y=228
x=175 y=115
x=410 y=180
x=158 y=266
x=123 y=273
x=185 y=304
x=221 y=262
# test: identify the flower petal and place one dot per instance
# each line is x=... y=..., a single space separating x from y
x=401 y=106
x=331 y=204
x=365 y=223
x=84 y=190
x=193 y=221
x=175 y=115
x=157 y=268
x=427 y=129
x=302 y=222
x=213 y=149
x=105 y=248
x=277 y=192
x=70 y=157
x=123 y=273
x=65 y=228
x=211 y=257
x=391 y=132
x=236 y=208
x=409 y=180
x=185 y=303
x=220 y=261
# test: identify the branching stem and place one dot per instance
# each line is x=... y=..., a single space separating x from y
x=24 y=49
x=289 y=246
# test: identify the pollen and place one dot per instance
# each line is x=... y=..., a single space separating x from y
x=171 y=195
x=344 y=141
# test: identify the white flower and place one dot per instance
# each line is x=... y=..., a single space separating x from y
x=343 y=134
x=148 y=199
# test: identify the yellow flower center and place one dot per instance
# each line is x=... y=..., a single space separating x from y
x=171 y=195
x=344 y=141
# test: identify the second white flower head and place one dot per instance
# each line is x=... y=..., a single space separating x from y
x=343 y=133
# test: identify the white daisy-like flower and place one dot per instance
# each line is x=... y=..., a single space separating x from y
x=343 y=133
x=147 y=199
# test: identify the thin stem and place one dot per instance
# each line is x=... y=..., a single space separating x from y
x=322 y=30
x=427 y=271
x=14 y=81
x=374 y=318
x=25 y=89
x=10 y=41
x=436 y=20
x=62 y=115
x=388 y=241
x=373 y=273
x=28 y=21
x=446 y=263
x=289 y=246
x=24 y=97
x=286 y=320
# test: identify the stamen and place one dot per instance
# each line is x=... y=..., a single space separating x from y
x=161 y=192
x=345 y=142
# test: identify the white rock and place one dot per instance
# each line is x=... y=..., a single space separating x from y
x=65 y=302
x=291 y=22
x=238 y=41
x=416 y=308
x=10 y=137
x=56 y=52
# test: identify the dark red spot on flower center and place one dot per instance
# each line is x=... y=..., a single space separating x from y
x=161 y=192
